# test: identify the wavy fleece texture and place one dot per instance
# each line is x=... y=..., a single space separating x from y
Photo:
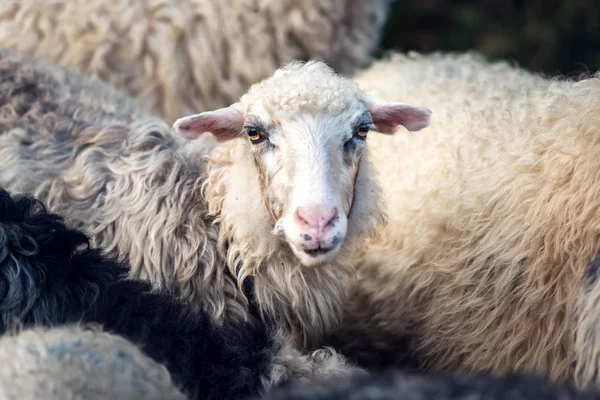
x=178 y=58
x=494 y=215
x=119 y=175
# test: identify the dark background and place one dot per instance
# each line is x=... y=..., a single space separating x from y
x=548 y=36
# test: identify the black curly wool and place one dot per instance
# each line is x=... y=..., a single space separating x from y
x=396 y=385
x=49 y=275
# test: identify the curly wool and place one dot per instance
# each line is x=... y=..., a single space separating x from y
x=310 y=87
x=123 y=178
x=76 y=363
x=493 y=215
x=392 y=385
x=177 y=58
x=50 y=277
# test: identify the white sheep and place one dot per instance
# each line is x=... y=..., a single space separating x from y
x=493 y=219
x=76 y=363
x=180 y=57
x=137 y=189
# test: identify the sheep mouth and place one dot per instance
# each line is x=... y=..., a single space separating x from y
x=316 y=256
x=319 y=251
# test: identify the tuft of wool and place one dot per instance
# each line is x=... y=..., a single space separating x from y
x=308 y=87
x=76 y=363
x=177 y=58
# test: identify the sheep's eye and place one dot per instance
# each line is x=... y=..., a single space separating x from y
x=254 y=135
x=363 y=130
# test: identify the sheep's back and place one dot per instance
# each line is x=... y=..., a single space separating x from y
x=493 y=213
x=115 y=172
x=179 y=58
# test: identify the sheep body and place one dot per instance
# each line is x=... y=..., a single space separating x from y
x=391 y=385
x=178 y=58
x=493 y=214
x=76 y=363
x=50 y=277
x=103 y=170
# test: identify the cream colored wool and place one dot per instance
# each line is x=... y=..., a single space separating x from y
x=74 y=363
x=494 y=215
x=180 y=57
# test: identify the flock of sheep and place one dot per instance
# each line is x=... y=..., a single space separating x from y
x=186 y=213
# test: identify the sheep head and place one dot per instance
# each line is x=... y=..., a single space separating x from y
x=306 y=129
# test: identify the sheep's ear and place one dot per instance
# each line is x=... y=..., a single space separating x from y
x=225 y=123
x=388 y=115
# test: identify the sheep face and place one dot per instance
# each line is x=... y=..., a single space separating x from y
x=305 y=129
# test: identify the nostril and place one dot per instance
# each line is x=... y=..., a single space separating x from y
x=301 y=219
x=331 y=218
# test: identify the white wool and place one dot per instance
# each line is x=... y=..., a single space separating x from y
x=311 y=87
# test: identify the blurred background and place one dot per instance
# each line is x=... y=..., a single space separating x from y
x=546 y=36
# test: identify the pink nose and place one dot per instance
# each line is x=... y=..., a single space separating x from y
x=316 y=219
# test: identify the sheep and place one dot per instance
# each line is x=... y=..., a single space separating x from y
x=144 y=192
x=493 y=214
x=76 y=363
x=50 y=277
x=176 y=58
x=587 y=366
x=393 y=384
